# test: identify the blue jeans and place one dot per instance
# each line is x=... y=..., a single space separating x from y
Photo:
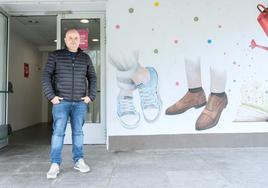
x=61 y=112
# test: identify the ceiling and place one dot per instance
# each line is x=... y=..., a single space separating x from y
x=51 y=7
x=36 y=20
x=41 y=30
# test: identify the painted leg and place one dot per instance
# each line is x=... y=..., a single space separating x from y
x=195 y=97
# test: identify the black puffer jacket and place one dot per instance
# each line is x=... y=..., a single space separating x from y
x=69 y=78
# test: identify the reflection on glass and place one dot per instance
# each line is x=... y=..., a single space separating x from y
x=92 y=48
x=2 y=109
x=3 y=70
x=3 y=48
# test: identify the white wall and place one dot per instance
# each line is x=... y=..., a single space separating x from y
x=230 y=25
x=25 y=104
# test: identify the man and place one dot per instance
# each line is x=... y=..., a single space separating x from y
x=69 y=82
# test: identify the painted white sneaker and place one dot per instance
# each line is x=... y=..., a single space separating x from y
x=53 y=171
x=127 y=113
x=81 y=166
x=150 y=99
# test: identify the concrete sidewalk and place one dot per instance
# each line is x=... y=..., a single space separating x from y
x=26 y=166
x=25 y=161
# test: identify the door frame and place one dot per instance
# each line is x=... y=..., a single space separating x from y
x=98 y=128
x=4 y=143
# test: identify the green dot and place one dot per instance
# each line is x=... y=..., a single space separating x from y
x=156 y=51
x=196 y=19
x=131 y=10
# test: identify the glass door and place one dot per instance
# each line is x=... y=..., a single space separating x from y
x=91 y=30
x=3 y=78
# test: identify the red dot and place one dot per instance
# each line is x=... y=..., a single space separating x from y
x=117 y=26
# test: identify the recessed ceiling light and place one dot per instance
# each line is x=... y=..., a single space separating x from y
x=95 y=40
x=84 y=21
x=33 y=21
x=55 y=40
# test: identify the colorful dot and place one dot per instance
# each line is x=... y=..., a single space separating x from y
x=131 y=10
x=177 y=83
x=156 y=51
x=117 y=26
x=209 y=41
x=156 y=4
x=196 y=19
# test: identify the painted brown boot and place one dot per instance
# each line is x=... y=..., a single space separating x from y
x=212 y=112
x=190 y=100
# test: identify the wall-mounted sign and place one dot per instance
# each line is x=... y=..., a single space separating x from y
x=83 y=38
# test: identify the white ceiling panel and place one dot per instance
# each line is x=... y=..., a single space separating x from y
x=48 y=7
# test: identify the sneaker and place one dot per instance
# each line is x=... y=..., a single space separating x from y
x=127 y=113
x=53 y=171
x=150 y=100
x=81 y=166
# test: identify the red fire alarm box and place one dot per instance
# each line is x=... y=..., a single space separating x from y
x=26 y=70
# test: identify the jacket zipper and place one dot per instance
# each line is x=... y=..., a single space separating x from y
x=73 y=81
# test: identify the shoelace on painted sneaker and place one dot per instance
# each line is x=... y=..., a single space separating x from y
x=148 y=96
x=126 y=105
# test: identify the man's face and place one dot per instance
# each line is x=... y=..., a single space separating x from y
x=72 y=40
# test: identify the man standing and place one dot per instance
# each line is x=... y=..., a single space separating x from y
x=69 y=82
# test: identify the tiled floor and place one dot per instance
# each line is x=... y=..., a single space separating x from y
x=25 y=161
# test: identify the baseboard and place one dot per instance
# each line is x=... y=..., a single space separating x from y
x=122 y=143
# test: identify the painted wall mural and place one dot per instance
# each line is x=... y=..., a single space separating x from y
x=177 y=67
x=254 y=101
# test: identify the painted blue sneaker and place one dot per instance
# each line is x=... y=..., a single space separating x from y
x=127 y=113
x=150 y=100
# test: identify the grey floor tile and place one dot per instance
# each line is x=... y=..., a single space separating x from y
x=198 y=179
x=140 y=180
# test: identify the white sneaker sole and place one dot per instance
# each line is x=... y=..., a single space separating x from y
x=83 y=171
x=52 y=176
